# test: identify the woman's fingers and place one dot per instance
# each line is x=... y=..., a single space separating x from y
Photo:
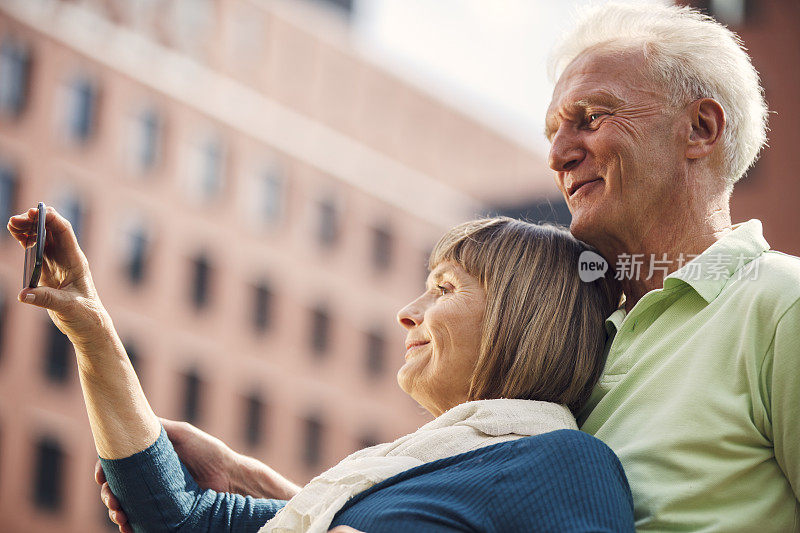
x=61 y=244
x=47 y=298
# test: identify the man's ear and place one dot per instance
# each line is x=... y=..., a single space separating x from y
x=708 y=122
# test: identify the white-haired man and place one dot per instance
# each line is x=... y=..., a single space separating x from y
x=656 y=113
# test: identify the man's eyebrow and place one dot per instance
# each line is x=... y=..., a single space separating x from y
x=601 y=97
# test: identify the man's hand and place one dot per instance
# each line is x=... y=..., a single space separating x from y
x=213 y=465
x=209 y=460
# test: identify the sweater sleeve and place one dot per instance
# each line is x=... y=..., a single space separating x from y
x=566 y=481
x=157 y=494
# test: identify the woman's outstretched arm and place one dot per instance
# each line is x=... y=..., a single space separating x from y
x=123 y=424
x=120 y=417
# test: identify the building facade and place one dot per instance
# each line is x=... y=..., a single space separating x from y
x=256 y=201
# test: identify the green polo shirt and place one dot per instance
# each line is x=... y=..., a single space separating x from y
x=700 y=396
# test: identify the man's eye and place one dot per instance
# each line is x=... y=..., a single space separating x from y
x=594 y=116
x=442 y=290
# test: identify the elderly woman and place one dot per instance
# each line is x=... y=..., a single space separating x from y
x=503 y=345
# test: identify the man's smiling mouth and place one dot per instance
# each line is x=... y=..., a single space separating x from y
x=574 y=187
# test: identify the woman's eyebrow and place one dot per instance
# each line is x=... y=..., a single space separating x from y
x=437 y=276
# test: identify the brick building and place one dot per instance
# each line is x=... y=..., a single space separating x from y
x=256 y=201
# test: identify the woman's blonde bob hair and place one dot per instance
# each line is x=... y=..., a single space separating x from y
x=543 y=329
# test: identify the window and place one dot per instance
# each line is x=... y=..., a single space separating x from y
x=8 y=192
x=270 y=195
x=48 y=475
x=14 y=72
x=729 y=12
x=320 y=330
x=344 y=6
x=81 y=109
x=148 y=139
x=207 y=172
x=191 y=397
x=262 y=312
x=327 y=222
x=133 y=354
x=200 y=281
x=254 y=415
x=136 y=253
x=58 y=361
x=313 y=444
x=368 y=440
x=381 y=248
x=72 y=208
x=376 y=347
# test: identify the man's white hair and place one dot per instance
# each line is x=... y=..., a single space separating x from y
x=692 y=56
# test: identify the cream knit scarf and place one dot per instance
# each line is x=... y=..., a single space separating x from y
x=463 y=428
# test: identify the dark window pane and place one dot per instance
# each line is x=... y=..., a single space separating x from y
x=262 y=314
x=200 y=282
x=149 y=139
x=14 y=72
x=137 y=255
x=58 y=362
x=346 y=6
x=133 y=354
x=254 y=420
x=381 y=248
x=82 y=109
x=8 y=192
x=320 y=330
x=328 y=229
x=48 y=475
x=376 y=347
x=368 y=440
x=191 y=397
x=71 y=208
x=313 y=444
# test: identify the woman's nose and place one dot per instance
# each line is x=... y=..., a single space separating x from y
x=411 y=315
x=565 y=152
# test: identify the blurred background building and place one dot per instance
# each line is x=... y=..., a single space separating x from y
x=256 y=201
x=257 y=198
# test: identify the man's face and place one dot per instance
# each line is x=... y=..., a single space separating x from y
x=615 y=147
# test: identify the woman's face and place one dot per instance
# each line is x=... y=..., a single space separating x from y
x=444 y=327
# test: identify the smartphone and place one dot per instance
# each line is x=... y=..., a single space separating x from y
x=34 y=251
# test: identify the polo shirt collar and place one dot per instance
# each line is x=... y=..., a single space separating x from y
x=708 y=272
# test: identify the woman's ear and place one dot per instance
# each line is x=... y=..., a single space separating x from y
x=708 y=122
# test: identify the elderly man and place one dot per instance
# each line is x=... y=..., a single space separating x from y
x=656 y=113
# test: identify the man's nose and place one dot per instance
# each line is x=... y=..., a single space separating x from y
x=412 y=314
x=566 y=151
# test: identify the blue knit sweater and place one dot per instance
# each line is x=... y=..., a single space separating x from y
x=560 y=481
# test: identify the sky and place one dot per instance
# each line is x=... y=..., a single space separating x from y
x=486 y=57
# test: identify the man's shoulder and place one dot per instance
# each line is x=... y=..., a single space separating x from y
x=772 y=277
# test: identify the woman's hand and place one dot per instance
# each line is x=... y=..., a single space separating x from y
x=66 y=288
x=122 y=421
